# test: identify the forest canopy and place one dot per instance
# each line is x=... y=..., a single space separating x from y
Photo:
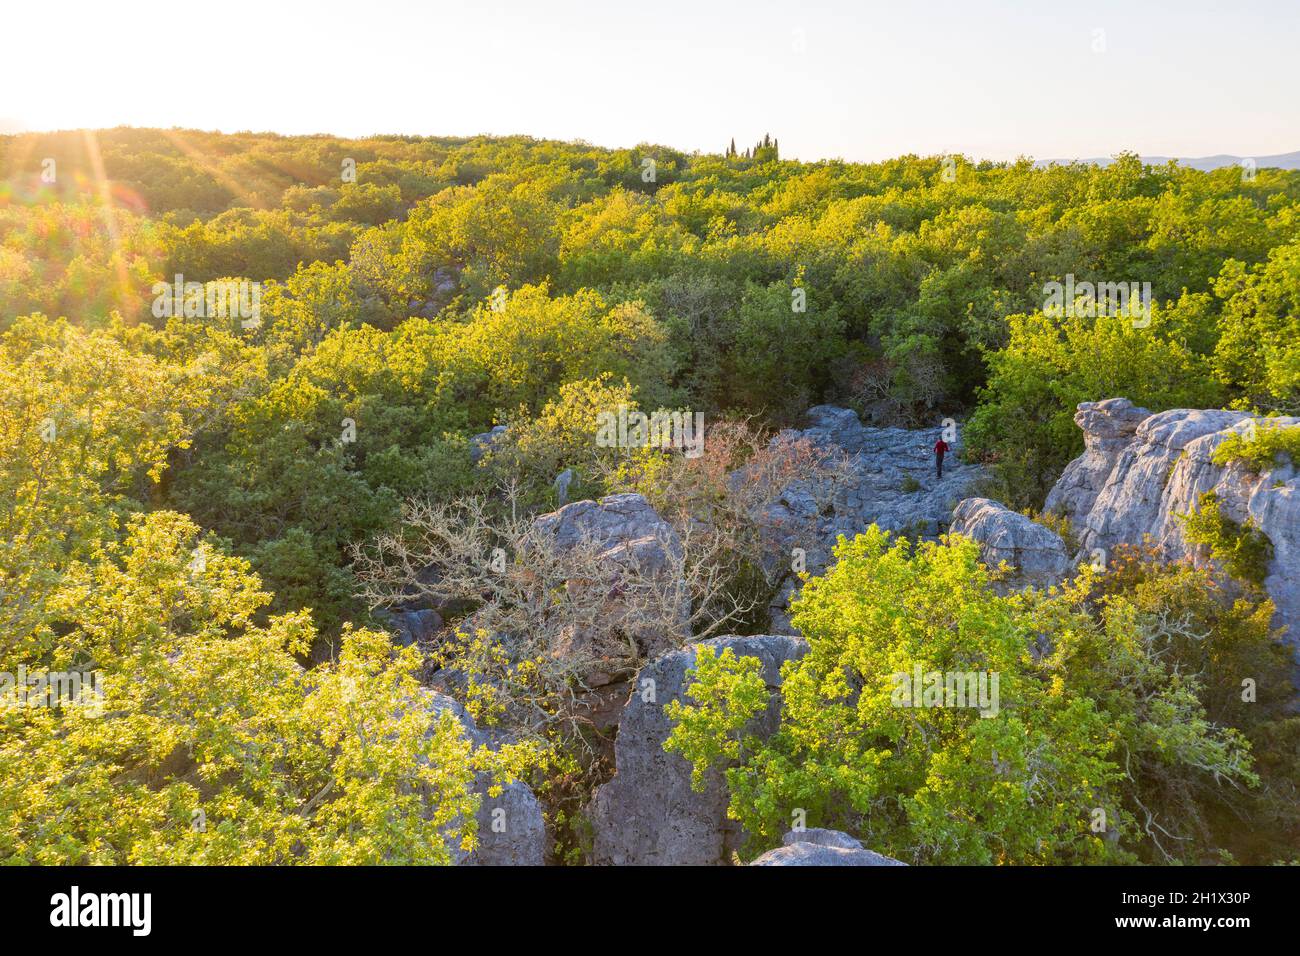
x=183 y=489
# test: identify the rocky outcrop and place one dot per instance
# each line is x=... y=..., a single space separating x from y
x=1036 y=555
x=511 y=828
x=1124 y=490
x=1108 y=429
x=648 y=813
x=622 y=528
x=626 y=541
x=817 y=847
x=892 y=483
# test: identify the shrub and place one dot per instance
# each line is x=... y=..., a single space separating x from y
x=1099 y=750
x=537 y=448
x=1260 y=448
x=926 y=784
x=210 y=718
x=1243 y=550
x=725 y=496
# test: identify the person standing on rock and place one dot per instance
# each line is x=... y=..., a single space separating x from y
x=940 y=448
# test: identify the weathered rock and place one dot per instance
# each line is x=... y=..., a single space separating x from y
x=648 y=813
x=511 y=828
x=629 y=541
x=620 y=527
x=1160 y=473
x=480 y=444
x=778 y=610
x=561 y=486
x=893 y=485
x=1037 y=555
x=817 y=847
x=1130 y=504
x=414 y=627
x=445 y=281
x=820 y=836
x=1108 y=427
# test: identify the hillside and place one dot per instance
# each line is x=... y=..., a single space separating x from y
x=1204 y=163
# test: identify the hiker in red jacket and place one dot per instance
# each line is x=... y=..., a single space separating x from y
x=940 y=447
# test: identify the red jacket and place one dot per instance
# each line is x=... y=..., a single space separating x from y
x=940 y=447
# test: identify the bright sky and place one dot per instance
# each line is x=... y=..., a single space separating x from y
x=858 y=79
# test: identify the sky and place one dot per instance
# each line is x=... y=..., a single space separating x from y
x=854 y=79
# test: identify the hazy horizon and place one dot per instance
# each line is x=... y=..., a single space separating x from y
x=740 y=144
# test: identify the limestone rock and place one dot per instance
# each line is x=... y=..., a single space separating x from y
x=1036 y=554
x=619 y=526
x=414 y=627
x=892 y=484
x=648 y=813
x=629 y=539
x=511 y=828
x=1160 y=472
x=1108 y=427
x=818 y=847
x=561 y=486
x=480 y=444
x=1131 y=502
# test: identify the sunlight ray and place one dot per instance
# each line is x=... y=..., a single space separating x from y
x=212 y=169
x=105 y=192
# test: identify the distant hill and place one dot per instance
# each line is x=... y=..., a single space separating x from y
x=1206 y=163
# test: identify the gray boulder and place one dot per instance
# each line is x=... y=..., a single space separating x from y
x=414 y=627
x=561 y=486
x=1037 y=556
x=445 y=280
x=818 y=847
x=648 y=814
x=621 y=528
x=1108 y=427
x=511 y=828
x=629 y=541
x=481 y=444
x=1131 y=502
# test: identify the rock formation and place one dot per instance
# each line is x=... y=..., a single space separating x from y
x=892 y=484
x=481 y=444
x=624 y=528
x=1141 y=472
x=648 y=813
x=818 y=847
x=1036 y=555
x=511 y=828
x=1108 y=428
x=416 y=626
x=628 y=540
